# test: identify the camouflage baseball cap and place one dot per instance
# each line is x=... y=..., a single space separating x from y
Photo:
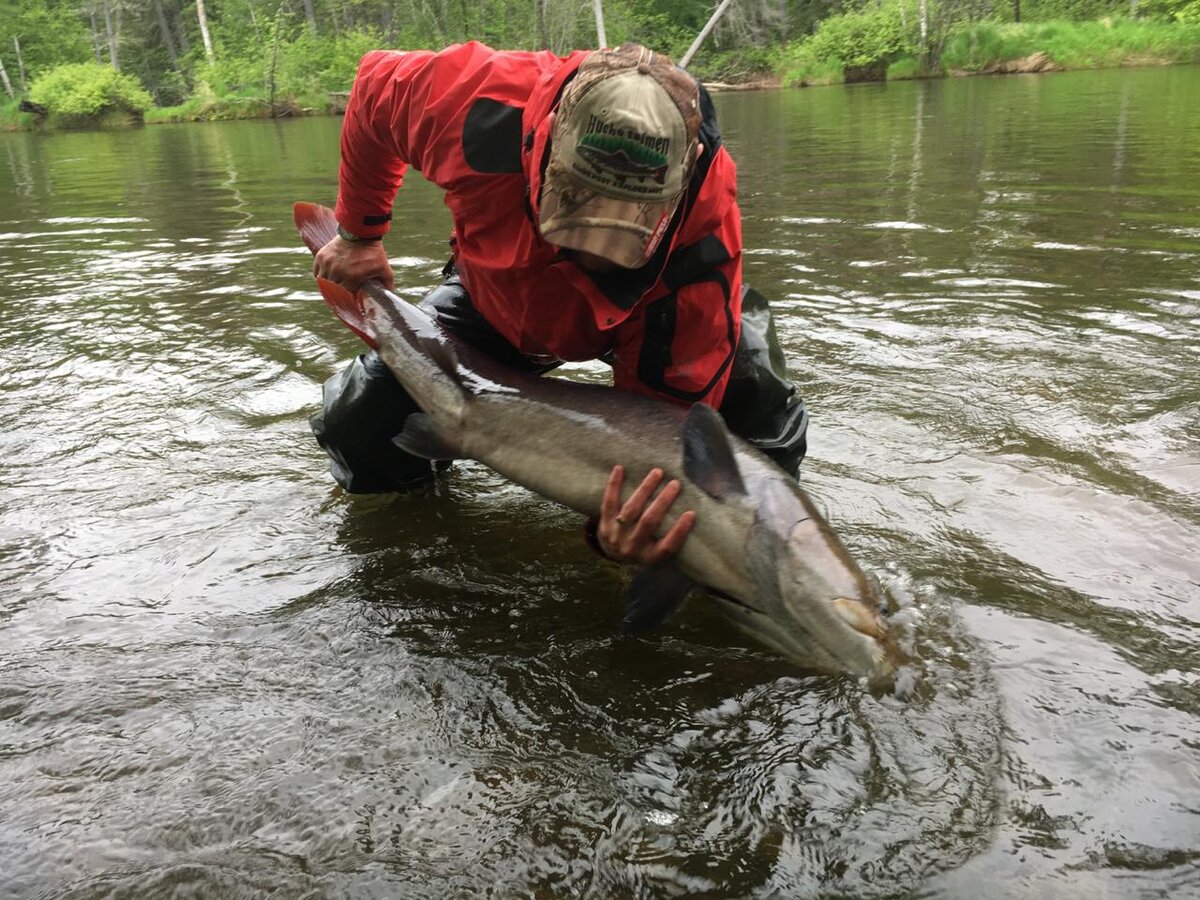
x=623 y=147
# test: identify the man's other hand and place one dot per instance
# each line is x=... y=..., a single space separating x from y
x=628 y=532
x=350 y=263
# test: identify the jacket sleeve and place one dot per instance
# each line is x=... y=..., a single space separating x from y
x=681 y=345
x=406 y=108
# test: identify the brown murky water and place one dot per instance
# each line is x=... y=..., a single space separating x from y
x=221 y=676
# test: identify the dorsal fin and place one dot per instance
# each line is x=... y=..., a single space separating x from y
x=707 y=454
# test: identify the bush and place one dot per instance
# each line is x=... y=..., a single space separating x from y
x=864 y=38
x=801 y=69
x=305 y=69
x=80 y=91
x=905 y=68
x=740 y=65
x=309 y=66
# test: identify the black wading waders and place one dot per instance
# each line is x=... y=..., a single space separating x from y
x=363 y=407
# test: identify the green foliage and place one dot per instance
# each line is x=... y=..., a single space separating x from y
x=978 y=46
x=1073 y=45
x=645 y=25
x=286 y=56
x=802 y=69
x=79 y=90
x=304 y=68
x=905 y=69
x=1186 y=12
x=310 y=65
x=738 y=65
x=875 y=34
x=84 y=90
x=49 y=33
x=11 y=117
x=1071 y=10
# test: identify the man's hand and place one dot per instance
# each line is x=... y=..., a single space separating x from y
x=626 y=533
x=350 y=263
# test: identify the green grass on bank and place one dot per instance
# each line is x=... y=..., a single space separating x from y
x=206 y=105
x=1108 y=43
x=209 y=109
x=11 y=117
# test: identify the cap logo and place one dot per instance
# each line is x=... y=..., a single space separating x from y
x=622 y=154
x=622 y=150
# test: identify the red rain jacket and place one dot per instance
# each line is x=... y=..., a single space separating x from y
x=476 y=122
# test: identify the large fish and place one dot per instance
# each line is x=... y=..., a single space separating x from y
x=758 y=547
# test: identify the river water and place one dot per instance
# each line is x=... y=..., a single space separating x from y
x=222 y=676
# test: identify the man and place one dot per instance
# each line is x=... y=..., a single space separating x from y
x=595 y=217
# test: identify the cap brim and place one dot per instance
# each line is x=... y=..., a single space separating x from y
x=625 y=232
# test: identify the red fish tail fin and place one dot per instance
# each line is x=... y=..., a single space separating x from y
x=316 y=224
x=347 y=307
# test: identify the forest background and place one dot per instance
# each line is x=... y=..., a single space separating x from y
x=72 y=62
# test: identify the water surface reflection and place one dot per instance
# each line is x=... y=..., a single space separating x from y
x=224 y=676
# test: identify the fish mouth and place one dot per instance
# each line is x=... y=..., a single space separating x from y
x=729 y=598
x=807 y=648
x=862 y=619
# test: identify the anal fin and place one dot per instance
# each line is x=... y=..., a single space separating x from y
x=655 y=593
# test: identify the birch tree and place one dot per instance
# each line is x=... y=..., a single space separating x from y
x=202 y=18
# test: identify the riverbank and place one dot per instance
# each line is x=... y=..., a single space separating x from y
x=979 y=49
x=990 y=48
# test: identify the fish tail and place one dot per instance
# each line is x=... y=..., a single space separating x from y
x=316 y=224
x=348 y=308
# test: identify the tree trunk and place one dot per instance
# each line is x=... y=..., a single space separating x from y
x=1017 y=10
x=202 y=18
x=168 y=41
x=4 y=78
x=20 y=65
x=704 y=32
x=310 y=15
x=539 y=12
x=112 y=37
x=95 y=32
x=601 y=37
x=387 y=17
x=923 y=46
x=427 y=13
x=274 y=58
x=180 y=33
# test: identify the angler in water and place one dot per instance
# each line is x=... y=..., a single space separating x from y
x=557 y=256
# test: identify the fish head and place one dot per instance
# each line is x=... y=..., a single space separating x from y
x=805 y=595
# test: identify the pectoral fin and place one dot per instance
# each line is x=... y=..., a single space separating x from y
x=707 y=454
x=422 y=437
x=655 y=593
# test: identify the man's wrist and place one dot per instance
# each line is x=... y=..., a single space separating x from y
x=354 y=238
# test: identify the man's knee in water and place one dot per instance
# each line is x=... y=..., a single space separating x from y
x=363 y=408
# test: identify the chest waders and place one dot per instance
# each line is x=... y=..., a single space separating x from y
x=363 y=407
